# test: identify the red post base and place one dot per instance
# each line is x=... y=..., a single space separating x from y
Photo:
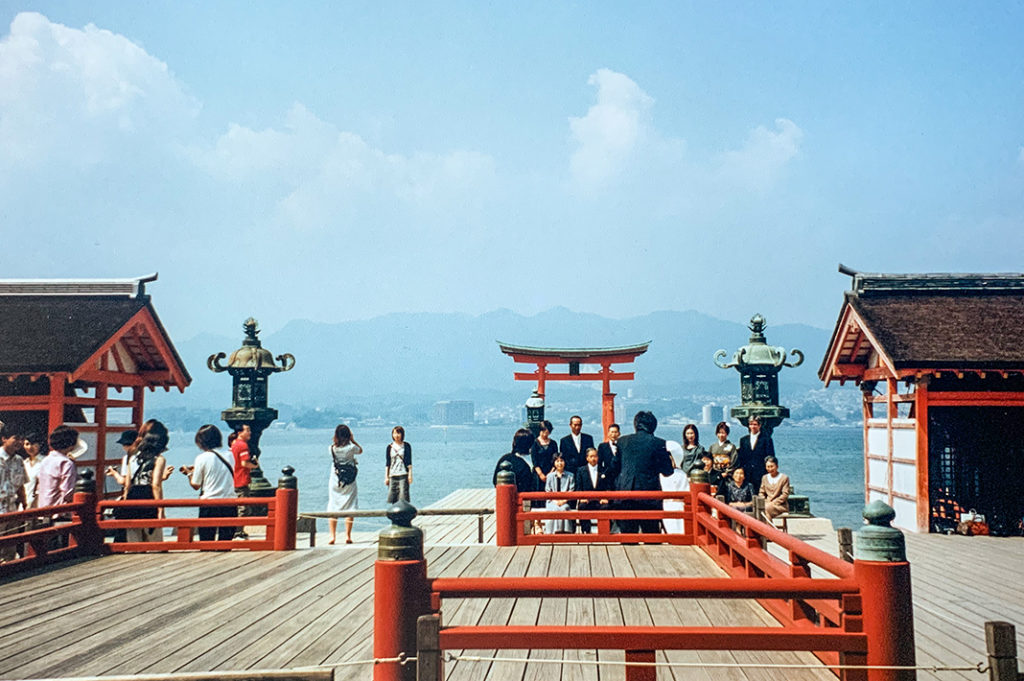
x=888 y=615
x=286 y=519
x=400 y=595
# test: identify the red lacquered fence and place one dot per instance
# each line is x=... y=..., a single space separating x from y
x=850 y=616
x=56 y=533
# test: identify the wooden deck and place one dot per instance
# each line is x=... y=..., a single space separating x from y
x=131 y=614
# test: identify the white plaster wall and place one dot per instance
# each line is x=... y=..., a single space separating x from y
x=878 y=473
x=879 y=496
x=904 y=478
x=904 y=443
x=878 y=441
x=906 y=514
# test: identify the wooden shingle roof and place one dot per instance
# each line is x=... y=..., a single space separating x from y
x=904 y=323
x=82 y=328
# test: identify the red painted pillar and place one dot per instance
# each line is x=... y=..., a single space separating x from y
x=506 y=502
x=287 y=510
x=89 y=538
x=401 y=593
x=881 y=569
x=607 y=411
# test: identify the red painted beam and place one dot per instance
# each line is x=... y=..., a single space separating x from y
x=640 y=587
x=548 y=376
x=560 y=637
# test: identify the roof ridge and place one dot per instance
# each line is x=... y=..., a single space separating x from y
x=134 y=287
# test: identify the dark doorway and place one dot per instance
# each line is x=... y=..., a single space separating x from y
x=976 y=460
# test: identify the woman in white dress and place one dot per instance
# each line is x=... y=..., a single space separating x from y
x=342 y=497
x=559 y=480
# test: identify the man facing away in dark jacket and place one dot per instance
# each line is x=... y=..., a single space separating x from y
x=643 y=458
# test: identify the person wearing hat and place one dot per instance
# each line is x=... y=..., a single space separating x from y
x=123 y=475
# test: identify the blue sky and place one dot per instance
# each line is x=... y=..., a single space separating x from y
x=337 y=161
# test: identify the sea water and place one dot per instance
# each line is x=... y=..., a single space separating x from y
x=824 y=464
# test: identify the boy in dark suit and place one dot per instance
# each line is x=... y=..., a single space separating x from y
x=753 y=450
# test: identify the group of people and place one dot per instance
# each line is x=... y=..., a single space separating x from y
x=641 y=461
x=342 y=492
x=37 y=471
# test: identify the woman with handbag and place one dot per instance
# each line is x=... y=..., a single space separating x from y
x=342 y=493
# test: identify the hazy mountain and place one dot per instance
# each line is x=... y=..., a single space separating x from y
x=437 y=356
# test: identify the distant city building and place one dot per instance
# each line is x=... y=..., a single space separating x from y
x=453 y=413
x=725 y=414
x=705 y=417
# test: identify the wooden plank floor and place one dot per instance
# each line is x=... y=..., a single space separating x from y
x=208 y=611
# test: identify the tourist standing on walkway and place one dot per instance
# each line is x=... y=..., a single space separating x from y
x=147 y=480
x=644 y=458
x=573 y=447
x=57 y=473
x=774 y=489
x=35 y=452
x=342 y=494
x=542 y=456
x=242 y=471
x=214 y=477
x=592 y=477
x=519 y=458
x=398 y=466
x=753 y=450
x=12 y=485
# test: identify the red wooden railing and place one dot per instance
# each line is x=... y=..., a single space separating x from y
x=847 y=616
x=603 y=518
x=83 y=534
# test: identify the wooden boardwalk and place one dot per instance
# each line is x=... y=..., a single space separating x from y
x=131 y=614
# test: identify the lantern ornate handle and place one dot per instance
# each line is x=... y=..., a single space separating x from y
x=737 y=359
x=287 y=361
x=213 y=362
x=799 y=358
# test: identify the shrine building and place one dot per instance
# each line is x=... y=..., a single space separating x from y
x=83 y=353
x=941 y=369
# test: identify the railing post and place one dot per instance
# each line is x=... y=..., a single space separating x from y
x=505 y=505
x=1001 y=643
x=89 y=537
x=644 y=673
x=844 y=536
x=883 y=574
x=401 y=593
x=287 y=509
x=698 y=485
x=428 y=648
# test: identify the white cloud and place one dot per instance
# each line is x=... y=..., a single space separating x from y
x=612 y=129
x=321 y=176
x=757 y=164
x=80 y=96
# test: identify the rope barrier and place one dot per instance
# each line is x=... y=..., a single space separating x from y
x=981 y=667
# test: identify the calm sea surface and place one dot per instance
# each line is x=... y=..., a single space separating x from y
x=825 y=464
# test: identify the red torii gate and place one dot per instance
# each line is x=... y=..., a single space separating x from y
x=574 y=357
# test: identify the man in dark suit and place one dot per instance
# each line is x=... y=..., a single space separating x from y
x=608 y=452
x=592 y=477
x=752 y=451
x=644 y=457
x=573 y=446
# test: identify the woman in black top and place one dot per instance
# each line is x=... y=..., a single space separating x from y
x=542 y=455
x=738 y=492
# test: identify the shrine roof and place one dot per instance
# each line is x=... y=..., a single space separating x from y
x=928 y=321
x=51 y=326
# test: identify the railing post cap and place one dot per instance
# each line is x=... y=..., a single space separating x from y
x=878 y=540
x=288 y=479
x=698 y=475
x=84 y=483
x=400 y=541
x=505 y=474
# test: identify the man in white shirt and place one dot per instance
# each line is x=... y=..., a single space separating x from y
x=12 y=485
x=213 y=475
x=591 y=477
x=573 y=446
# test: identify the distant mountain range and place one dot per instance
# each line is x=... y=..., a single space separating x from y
x=455 y=356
